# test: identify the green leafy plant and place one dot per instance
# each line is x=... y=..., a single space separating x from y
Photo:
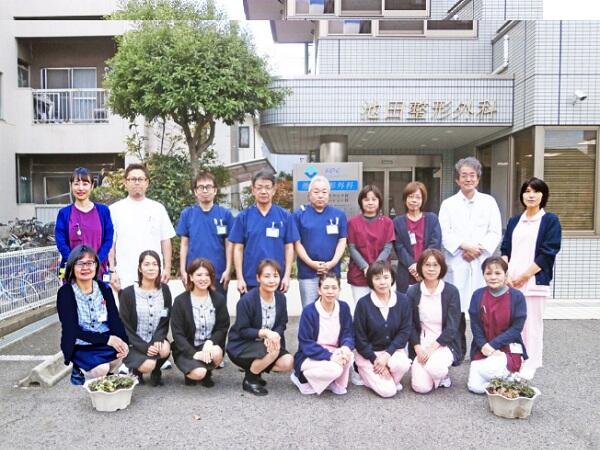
x=510 y=388
x=284 y=192
x=111 y=383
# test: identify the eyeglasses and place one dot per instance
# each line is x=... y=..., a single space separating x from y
x=263 y=188
x=205 y=187
x=86 y=264
x=136 y=180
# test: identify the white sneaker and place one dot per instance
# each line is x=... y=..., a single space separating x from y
x=222 y=364
x=446 y=382
x=123 y=370
x=355 y=378
x=399 y=387
x=167 y=365
x=304 y=388
x=336 y=389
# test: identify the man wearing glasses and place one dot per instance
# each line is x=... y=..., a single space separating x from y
x=262 y=231
x=204 y=228
x=140 y=224
x=471 y=231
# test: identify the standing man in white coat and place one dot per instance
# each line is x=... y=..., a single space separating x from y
x=471 y=231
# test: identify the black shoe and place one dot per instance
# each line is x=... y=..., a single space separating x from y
x=261 y=381
x=156 y=377
x=77 y=377
x=207 y=380
x=255 y=389
x=140 y=376
x=189 y=381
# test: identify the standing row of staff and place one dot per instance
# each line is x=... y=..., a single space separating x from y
x=468 y=231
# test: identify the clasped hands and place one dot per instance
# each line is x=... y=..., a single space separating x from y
x=380 y=366
x=207 y=353
x=119 y=345
x=341 y=356
x=272 y=341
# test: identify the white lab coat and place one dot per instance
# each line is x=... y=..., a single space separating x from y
x=476 y=221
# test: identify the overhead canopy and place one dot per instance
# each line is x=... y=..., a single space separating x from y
x=244 y=171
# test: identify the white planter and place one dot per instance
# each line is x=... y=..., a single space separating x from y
x=512 y=408
x=110 y=401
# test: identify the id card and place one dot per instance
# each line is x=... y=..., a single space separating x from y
x=221 y=230
x=412 y=237
x=332 y=228
x=164 y=313
x=106 y=277
x=517 y=348
x=273 y=232
x=103 y=316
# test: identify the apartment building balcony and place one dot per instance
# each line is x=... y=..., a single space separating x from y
x=69 y=106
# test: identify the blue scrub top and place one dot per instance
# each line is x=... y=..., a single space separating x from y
x=201 y=228
x=318 y=243
x=250 y=228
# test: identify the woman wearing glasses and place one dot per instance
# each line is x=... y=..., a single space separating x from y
x=84 y=222
x=93 y=337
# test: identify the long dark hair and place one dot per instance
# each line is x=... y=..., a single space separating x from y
x=77 y=254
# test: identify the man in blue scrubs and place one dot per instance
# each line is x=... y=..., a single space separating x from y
x=323 y=230
x=203 y=229
x=263 y=230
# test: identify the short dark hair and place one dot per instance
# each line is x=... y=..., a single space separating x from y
x=203 y=176
x=263 y=175
x=154 y=255
x=413 y=187
x=439 y=257
x=83 y=174
x=538 y=185
x=77 y=254
x=268 y=263
x=494 y=260
x=329 y=275
x=196 y=264
x=136 y=166
x=365 y=190
x=377 y=268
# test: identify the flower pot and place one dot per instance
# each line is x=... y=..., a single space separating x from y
x=110 y=401
x=512 y=408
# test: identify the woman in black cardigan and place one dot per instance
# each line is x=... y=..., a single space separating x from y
x=434 y=341
x=145 y=310
x=199 y=323
x=256 y=340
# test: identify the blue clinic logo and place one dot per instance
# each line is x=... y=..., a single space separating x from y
x=311 y=172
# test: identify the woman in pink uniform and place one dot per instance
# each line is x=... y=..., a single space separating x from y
x=435 y=342
x=370 y=239
x=325 y=342
x=530 y=246
x=382 y=326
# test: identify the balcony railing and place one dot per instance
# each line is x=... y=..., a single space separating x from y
x=69 y=106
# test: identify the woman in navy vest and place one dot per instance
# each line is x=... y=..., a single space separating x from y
x=325 y=341
x=530 y=246
x=415 y=232
x=256 y=339
x=498 y=313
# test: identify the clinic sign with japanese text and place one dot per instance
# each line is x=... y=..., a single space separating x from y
x=345 y=179
x=415 y=111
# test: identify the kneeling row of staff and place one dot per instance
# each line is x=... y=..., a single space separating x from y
x=332 y=346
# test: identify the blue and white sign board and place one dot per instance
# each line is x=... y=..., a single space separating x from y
x=345 y=179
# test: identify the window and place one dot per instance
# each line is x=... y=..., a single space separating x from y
x=523 y=167
x=349 y=27
x=361 y=7
x=407 y=8
x=315 y=7
x=244 y=137
x=570 y=172
x=23 y=74
x=445 y=28
x=401 y=27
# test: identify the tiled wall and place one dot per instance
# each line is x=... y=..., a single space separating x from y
x=577 y=270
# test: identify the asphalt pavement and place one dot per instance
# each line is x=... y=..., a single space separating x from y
x=176 y=416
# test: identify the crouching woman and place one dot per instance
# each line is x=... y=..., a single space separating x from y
x=325 y=342
x=498 y=314
x=93 y=337
x=199 y=323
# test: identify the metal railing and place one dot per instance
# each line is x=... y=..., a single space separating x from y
x=28 y=279
x=69 y=106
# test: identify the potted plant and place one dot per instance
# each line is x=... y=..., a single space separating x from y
x=112 y=392
x=511 y=397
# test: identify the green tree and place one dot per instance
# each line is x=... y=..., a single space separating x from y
x=284 y=192
x=184 y=63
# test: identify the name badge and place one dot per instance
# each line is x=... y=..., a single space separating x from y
x=106 y=277
x=273 y=232
x=221 y=230
x=412 y=237
x=164 y=313
x=517 y=348
x=103 y=316
x=332 y=228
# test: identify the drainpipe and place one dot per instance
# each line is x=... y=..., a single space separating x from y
x=504 y=65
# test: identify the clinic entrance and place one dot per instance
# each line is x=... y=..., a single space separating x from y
x=392 y=173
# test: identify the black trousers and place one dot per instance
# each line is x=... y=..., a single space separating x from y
x=462 y=330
